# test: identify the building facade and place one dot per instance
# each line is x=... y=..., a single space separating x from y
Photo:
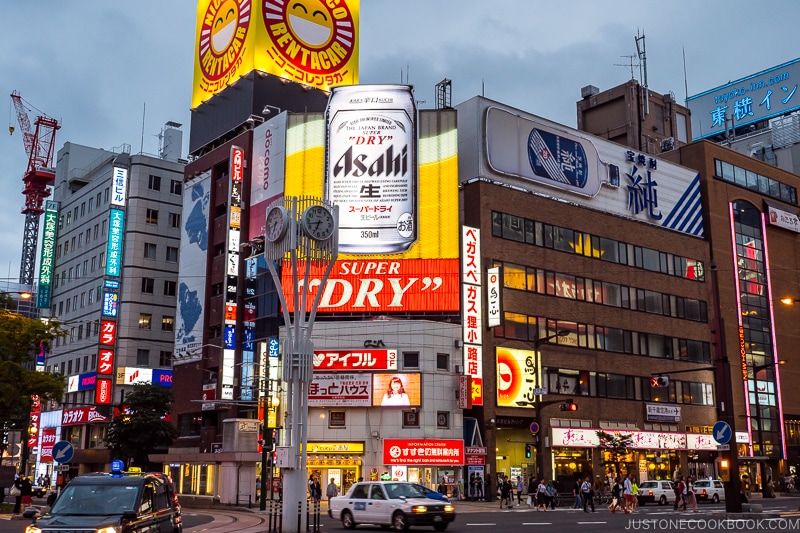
x=113 y=289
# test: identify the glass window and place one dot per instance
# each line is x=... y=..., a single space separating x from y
x=145 y=320
x=175 y=187
x=147 y=285
x=514 y=276
x=152 y=216
x=410 y=359
x=154 y=183
x=167 y=323
x=142 y=357
x=149 y=250
x=513 y=228
x=442 y=361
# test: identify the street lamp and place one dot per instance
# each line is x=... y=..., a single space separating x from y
x=537 y=399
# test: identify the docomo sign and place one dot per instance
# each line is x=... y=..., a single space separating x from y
x=423 y=452
x=385 y=286
x=325 y=360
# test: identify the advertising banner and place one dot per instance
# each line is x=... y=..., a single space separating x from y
x=415 y=276
x=266 y=180
x=366 y=359
x=192 y=273
x=335 y=390
x=48 y=439
x=396 y=390
x=310 y=42
x=423 y=452
x=81 y=415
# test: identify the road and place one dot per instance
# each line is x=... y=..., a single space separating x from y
x=482 y=517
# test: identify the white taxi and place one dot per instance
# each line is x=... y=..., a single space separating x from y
x=656 y=491
x=709 y=490
x=395 y=504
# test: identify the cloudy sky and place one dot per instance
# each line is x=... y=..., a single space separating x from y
x=96 y=64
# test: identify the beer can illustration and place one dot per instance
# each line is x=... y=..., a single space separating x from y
x=371 y=167
x=536 y=151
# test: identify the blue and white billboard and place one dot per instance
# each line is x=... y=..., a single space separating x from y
x=116 y=230
x=767 y=94
x=192 y=270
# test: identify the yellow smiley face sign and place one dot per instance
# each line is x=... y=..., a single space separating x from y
x=313 y=42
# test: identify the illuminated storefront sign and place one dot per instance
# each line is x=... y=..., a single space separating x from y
x=766 y=94
x=423 y=452
x=110 y=304
x=105 y=362
x=493 y=297
x=116 y=230
x=119 y=186
x=48 y=439
x=327 y=360
x=310 y=42
x=516 y=377
x=108 y=333
x=472 y=329
x=81 y=415
x=335 y=447
x=47 y=256
x=103 y=392
x=641 y=440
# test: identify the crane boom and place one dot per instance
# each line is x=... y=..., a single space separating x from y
x=39 y=145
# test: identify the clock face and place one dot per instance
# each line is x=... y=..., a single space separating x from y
x=276 y=223
x=318 y=222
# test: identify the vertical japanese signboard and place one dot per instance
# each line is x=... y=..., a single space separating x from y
x=47 y=256
x=236 y=172
x=472 y=327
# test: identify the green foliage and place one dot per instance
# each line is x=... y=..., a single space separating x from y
x=20 y=339
x=140 y=429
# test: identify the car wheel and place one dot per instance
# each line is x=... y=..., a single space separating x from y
x=347 y=520
x=715 y=498
x=399 y=522
x=440 y=527
x=662 y=500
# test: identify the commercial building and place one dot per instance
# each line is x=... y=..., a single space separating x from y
x=602 y=282
x=114 y=222
x=749 y=190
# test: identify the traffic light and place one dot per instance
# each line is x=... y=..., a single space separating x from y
x=659 y=381
x=569 y=405
x=725 y=470
x=527 y=451
x=274 y=439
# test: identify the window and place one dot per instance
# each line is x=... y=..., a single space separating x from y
x=149 y=250
x=169 y=287
x=165 y=358
x=66 y=247
x=410 y=359
x=443 y=361
x=167 y=323
x=97 y=434
x=142 y=357
x=337 y=419
x=176 y=187
x=174 y=220
x=147 y=285
x=154 y=183
x=145 y=320
x=151 y=217
x=172 y=254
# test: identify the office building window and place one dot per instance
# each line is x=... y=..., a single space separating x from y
x=142 y=357
x=154 y=183
x=167 y=323
x=149 y=250
x=147 y=285
x=145 y=319
x=152 y=216
x=169 y=287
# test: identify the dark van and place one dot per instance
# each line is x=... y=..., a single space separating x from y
x=114 y=502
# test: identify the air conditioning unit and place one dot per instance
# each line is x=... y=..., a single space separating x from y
x=459 y=369
x=457 y=343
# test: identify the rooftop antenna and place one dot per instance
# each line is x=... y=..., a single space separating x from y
x=685 y=79
x=641 y=51
x=630 y=64
x=144 y=109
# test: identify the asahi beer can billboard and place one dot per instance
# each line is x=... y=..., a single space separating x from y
x=371 y=167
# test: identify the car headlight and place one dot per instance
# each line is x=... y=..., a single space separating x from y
x=32 y=529
x=419 y=509
x=108 y=529
x=449 y=509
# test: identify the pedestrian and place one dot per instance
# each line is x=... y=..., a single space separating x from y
x=27 y=492
x=473 y=490
x=331 y=491
x=680 y=498
x=576 y=491
x=16 y=493
x=628 y=493
x=479 y=487
x=315 y=489
x=531 y=490
x=616 y=496
x=505 y=493
x=520 y=490
x=587 y=493
x=552 y=492
x=47 y=481
x=691 y=498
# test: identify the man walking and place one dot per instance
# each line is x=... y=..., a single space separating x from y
x=587 y=494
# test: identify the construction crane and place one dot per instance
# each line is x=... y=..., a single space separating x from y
x=39 y=176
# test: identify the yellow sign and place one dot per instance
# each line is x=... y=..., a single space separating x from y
x=335 y=447
x=313 y=42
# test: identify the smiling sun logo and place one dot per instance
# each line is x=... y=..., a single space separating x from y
x=222 y=35
x=311 y=38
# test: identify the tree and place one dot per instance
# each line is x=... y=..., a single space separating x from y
x=139 y=428
x=618 y=447
x=21 y=338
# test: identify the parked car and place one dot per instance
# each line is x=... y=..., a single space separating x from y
x=661 y=492
x=395 y=504
x=119 y=503
x=709 y=489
